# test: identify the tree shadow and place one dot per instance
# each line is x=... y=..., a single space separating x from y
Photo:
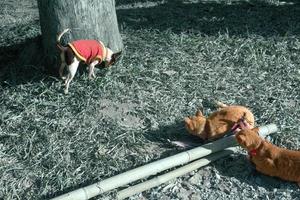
x=21 y=63
x=211 y=18
x=172 y=132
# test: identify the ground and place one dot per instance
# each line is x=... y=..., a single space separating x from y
x=179 y=56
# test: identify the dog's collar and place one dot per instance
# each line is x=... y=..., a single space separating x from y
x=104 y=51
x=253 y=152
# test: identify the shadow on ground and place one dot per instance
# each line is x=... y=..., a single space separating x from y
x=172 y=132
x=21 y=63
x=211 y=18
x=242 y=169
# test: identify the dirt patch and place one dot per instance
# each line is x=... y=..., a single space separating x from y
x=122 y=113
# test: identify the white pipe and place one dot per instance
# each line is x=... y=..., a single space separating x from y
x=155 y=167
x=173 y=174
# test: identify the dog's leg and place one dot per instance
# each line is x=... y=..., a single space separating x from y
x=67 y=82
x=67 y=78
x=92 y=69
x=61 y=70
x=62 y=66
x=72 y=68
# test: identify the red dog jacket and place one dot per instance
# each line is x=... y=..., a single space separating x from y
x=89 y=50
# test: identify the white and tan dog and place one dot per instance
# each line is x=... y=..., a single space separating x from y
x=91 y=52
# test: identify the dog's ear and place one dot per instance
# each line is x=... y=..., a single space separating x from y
x=188 y=124
x=117 y=55
x=187 y=120
x=241 y=139
x=115 y=58
x=256 y=130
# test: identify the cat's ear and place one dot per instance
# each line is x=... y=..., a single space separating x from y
x=199 y=113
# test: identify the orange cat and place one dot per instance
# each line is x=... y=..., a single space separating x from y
x=218 y=123
x=268 y=158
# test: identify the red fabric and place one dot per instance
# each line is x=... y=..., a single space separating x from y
x=253 y=152
x=88 y=50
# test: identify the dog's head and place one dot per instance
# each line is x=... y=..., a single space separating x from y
x=195 y=124
x=248 y=138
x=111 y=57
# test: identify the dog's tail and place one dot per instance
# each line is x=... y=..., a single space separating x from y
x=58 y=44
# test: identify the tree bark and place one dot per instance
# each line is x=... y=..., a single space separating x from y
x=87 y=19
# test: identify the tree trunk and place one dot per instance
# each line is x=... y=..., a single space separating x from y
x=87 y=19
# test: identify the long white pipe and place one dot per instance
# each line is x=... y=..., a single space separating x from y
x=155 y=167
x=173 y=174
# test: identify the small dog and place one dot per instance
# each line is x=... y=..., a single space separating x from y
x=268 y=158
x=218 y=123
x=91 y=52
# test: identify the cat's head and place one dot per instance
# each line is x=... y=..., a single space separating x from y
x=195 y=124
x=248 y=138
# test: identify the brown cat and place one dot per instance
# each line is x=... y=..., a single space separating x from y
x=218 y=123
x=268 y=158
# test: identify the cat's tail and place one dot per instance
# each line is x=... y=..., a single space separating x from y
x=220 y=104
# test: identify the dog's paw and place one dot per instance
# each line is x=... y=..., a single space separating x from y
x=92 y=76
x=63 y=78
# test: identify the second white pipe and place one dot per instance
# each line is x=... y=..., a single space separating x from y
x=173 y=174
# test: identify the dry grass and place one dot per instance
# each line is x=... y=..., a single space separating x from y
x=51 y=143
